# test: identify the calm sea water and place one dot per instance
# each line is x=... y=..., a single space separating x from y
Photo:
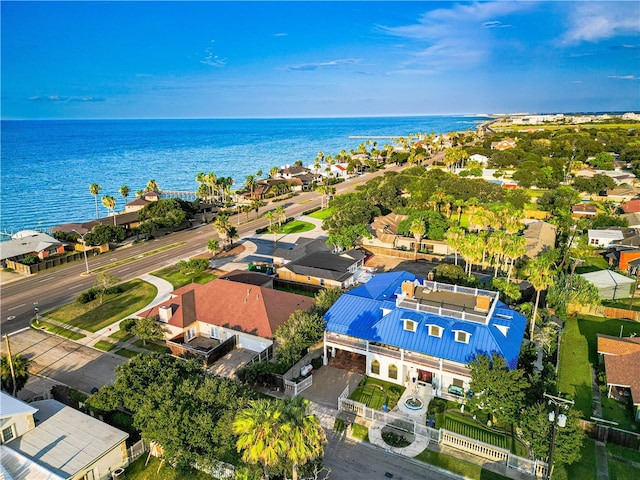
x=47 y=166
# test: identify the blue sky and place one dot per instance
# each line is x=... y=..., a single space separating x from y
x=317 y=59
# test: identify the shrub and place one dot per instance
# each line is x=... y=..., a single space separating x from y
x=338 y=425
x=316 y=363
x=29 y=260
x=87 y=296
x=436 y=405
x=127 y=324
x=114 y=290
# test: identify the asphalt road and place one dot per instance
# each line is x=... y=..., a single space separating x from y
x=349 y=460
x=59 y=286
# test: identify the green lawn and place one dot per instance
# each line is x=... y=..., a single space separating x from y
x=174 y=277
x=465 y=425
x=104 y=345
x=593 y=264
x=373 y=393
x=616 y=412
x=455 y=465
x=138 y=471
x=297 y=226
x=583 y=469
x=151 y=346
x=579 y=353
x=360 y=432
x=622 y=471
x=622 y=452
x=57 y=330
x=121 y=335
x=623 y=303
x=93 y=316
x=125 y=352
x=322 y=214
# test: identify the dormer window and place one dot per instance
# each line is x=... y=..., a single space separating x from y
x=462 y=337
x=435 y=331
x=410 y=325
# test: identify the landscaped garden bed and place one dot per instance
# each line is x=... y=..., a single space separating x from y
x=374 y=393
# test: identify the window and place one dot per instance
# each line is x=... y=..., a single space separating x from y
x=393 y=372
x=191 y=334
x=7 y=434
x=375 y=367
x=435 y=331
x=214 y=332
x=410 y=325
x=462 y=337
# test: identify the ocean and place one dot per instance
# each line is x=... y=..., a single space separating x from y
x=48 y=165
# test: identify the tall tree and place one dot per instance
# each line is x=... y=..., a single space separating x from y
x=418 y=230
x=192 y=267
x=541 y=272
x=305 y=436
x=109 y=203
x=152 y=186
x=454 y=238
x=104 y=281
x=148 y=329
x=256 y=203
x=260 y=434
x=94 y=189
x=20 y=371
x=497 y=389
x=124 y=192
x=250 y=183
x=514 y=248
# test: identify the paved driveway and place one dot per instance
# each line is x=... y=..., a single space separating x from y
x=64 y=361
x=329 y=383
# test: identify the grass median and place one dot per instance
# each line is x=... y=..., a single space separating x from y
x=58 y=330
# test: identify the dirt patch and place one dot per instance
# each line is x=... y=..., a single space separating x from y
x=352 y=362
x=236 y=250
x=383 y=263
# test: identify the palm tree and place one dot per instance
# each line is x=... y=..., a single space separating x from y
x=256 y=203
x=94 y=189
x=139 y=193
x=515 y=247
x=495 y=248
x=211 y=180
x=418 y=230
x=213 y=246
x=270 y=215
x=222 y=225
x=246 y=209
x=259 y=173
x=541 y=272
x=124 y=191
x=273 y=172
x=454 y=238
x=305 y=437
x=280 y=215
x=109 y=203
x=20 y=366
x=152 y=186
x=471 y=251
x=250 y=183
x=260 y=434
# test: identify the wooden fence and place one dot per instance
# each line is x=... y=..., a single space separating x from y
x=607 y=433
x=602 y=311
x=45 y=264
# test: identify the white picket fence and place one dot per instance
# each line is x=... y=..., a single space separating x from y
x=444 y=437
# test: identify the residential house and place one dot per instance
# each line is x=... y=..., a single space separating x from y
x=605 y=237
x=621 y=357
x=384 y=234
x=504 y=144
x=621 y=256
x=633 y=219
x=410 y=330
x=49 y=440
x=610 y=285
x=584 y=210
x=477 y=158
x=199 y=318
x=302 y=247
x=632 y=206
x=325 y=269
x=141 y=202
x=539 y=236
x=30 y=242
x=620 y=194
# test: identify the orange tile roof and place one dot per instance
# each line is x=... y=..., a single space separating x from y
x=624 y=371
x=609 y=345
x=243 y=307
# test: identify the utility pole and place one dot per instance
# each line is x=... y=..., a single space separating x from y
x=13 y=373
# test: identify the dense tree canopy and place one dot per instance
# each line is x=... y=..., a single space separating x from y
x=101 y=234
x=170 y=212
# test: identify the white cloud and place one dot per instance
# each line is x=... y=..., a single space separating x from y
x=458 y=36
x=593 y=21
x=280 y=34
x=322 y=65
x=212 y=59
x=624 y=77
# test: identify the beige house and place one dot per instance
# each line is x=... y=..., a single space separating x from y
x=49 y=440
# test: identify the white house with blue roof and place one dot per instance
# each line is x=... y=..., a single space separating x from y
x=415 y=331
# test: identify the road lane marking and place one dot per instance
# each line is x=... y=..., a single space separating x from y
x=19 y=306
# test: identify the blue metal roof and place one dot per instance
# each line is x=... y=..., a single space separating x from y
x=361 y=316
x=384 y=286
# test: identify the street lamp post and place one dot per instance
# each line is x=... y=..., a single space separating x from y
x=84 y=249
x=558 y=420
